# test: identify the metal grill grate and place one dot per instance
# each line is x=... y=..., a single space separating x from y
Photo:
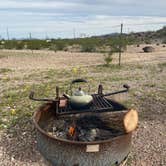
x=99 y=104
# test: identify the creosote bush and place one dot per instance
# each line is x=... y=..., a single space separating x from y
x=53 y=47
x=88 y=48
x=108 y=58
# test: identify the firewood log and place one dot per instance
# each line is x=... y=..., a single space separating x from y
x=130 y=120
x=125 y=121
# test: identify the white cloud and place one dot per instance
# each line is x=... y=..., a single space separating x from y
x=58 y=18
x=34 y=4
x=91 y=26
x=113 y=7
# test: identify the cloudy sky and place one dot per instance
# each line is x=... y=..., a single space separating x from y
x=61 y=18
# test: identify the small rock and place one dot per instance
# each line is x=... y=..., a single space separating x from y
x=144 y=127
x=12 y=159
x=138 y=94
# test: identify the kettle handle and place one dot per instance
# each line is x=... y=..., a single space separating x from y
x=79 y=80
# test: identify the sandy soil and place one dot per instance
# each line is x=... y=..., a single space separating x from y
x=24 y=59
x=47 y=59
x=148 y=145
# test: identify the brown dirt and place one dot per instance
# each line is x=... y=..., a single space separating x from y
x=17 y=60
x=18 y=146
x=40 y=60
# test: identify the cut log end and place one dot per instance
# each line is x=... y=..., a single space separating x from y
x=130 y=120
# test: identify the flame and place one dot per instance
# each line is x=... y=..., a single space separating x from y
x=71 y=131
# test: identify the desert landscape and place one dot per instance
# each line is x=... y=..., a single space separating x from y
x=22 y=71
x=82 y=83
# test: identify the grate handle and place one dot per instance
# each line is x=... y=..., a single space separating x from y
x=31 y=96
x=127 y=87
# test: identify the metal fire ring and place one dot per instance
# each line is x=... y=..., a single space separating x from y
x=61 y=152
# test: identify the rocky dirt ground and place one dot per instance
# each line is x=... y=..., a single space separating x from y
x=22 y=71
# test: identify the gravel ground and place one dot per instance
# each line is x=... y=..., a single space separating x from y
x=148 y=146
x=18 y=145
x=149 y=143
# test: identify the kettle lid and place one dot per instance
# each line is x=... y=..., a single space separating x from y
x=79 y=92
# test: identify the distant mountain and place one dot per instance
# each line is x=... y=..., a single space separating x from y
x=142 y=37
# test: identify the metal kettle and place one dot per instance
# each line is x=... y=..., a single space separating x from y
x=79 y=99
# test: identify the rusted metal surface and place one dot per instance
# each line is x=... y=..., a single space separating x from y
x=61 y=152
x=99 y=104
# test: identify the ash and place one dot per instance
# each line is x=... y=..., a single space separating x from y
x=87 y=129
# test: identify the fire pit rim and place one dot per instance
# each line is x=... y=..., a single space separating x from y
x=37 y=114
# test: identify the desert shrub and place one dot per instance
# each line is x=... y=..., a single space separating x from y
x=88 y=48
x=148 y=42
x=53 y=47
x=108 y=58
x=1 y=47
x=60 y=45
x=65 y=49
x=75 y=48
x=118 y=42
x=19 y=45
x=34 y=45
x=11 y=44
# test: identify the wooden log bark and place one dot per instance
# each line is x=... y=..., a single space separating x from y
x=125 y=121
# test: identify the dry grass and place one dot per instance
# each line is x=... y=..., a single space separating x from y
x=22 y=71
x=25 y=60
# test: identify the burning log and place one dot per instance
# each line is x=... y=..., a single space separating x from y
x=71 y=131
x=122 y=121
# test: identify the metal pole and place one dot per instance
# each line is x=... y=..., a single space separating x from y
x=7 y=31
x=120 y=46
x=30 y=36
x=30 y=40
x=46 y=36
x=74 y=33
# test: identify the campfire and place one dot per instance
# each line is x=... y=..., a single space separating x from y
x=84 y=119
x=71 y=131
x=87 y=128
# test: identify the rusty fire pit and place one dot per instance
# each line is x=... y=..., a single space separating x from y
x=61 y=151
x=71 y=153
